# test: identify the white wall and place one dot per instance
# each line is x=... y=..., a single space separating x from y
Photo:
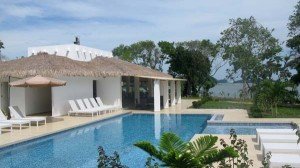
x=76 y=52
x=37 y=100
x=76 y=88
x=17 y=98
x=31 y=100
x=109 y=89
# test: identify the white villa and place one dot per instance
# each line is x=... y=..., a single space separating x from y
x=89 y=72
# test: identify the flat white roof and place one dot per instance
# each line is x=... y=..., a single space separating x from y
x=72 y=51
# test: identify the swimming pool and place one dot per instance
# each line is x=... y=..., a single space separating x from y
x=78 y=147
x=241 y=128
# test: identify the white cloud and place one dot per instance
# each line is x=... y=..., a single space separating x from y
x=107 y=23
x=21 y=11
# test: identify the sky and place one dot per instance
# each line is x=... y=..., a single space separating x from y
x=105 y=24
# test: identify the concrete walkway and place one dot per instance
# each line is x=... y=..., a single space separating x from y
x=254 y=152
x=54 y=125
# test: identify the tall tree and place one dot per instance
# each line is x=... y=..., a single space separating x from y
x=189 y=64
x=145 y=53
x=208 y=49
x=294 y=42
x=211 y=51
x=251 y=50
x=123 y=52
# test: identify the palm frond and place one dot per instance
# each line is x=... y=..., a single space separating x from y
x=203 y=145
x=218 y=155
x=176 y=160
x=149 y=148
x=171 y=142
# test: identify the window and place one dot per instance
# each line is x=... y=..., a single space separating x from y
x=94 y=88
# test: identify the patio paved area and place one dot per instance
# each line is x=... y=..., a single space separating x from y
x=57 y=124
x=54 y=125
x=253 y=148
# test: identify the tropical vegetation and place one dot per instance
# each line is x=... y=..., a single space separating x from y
x=283 y=110
x=251 y=50
x=145 y=53
x=255 y=57
x=172 y=151
x=192 y=60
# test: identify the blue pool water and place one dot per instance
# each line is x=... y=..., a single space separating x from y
x=78 y=147
x=241 y=128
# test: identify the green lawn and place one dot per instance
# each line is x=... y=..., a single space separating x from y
x=286 y=112
x=283 y=112
x=226 y=105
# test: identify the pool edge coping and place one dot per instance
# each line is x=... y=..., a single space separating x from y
x=7 y=145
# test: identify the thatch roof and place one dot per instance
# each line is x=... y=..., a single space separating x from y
x=59 y=66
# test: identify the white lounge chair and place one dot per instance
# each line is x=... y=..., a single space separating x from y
x=17 y=114
x=88 y=105
x=74 y=108
x=279 y=160
x=110 y=107
x=277 y=139
x=284 y=148
x=82 y=107
x=5 y=125
x=274 y=132
x=3 y=119
x=96 y=105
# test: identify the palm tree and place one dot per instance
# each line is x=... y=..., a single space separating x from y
x=174 y=152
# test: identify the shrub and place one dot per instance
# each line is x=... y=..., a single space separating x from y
x=241 y=147
x=255 y=112
x=266 y=160
x=199 y=103
x=268 y=95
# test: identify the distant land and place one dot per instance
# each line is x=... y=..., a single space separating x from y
x=222 y=81
x=227 y=81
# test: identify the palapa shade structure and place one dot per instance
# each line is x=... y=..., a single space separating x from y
x=59 y=66
x=38 y=81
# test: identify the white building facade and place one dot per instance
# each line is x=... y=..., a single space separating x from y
x=165 y=92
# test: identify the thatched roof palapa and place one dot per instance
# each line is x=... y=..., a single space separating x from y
x=59 y=66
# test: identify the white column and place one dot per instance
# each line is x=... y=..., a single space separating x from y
x=166 y=93
x=156 y=91
x=136 y=90
x=178 y=91
x=173 y=100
